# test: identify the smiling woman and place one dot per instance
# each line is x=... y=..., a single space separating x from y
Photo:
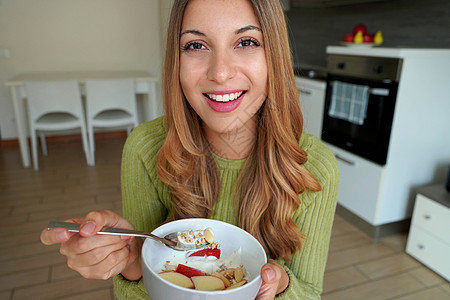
x=230 y=147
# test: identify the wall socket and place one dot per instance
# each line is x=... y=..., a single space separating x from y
x=4 y=53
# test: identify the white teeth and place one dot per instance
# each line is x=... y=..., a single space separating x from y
x=226 y=97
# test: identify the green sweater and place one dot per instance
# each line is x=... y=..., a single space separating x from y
x=147 y=203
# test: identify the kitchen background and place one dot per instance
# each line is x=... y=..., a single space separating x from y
x=404 y=23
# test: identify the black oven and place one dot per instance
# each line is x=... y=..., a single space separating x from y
x=360 y=104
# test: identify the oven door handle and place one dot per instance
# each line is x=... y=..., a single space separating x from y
x=373 y=91
x=345 y=160
x=379 y=91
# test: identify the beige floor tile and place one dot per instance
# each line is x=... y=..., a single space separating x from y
x=83 y=211
x=5 y=295
x=66 y=213
x=397 y=242
x=16 y=280
x=383 y=289
x=61 y=289
x=4 y=212
x=388 y=266
x=349 y=240
x=435 y=293
x=62 y=271
x=14 y=219
x=446 y=287
x=342 y=278
x=67 y=198
x=33 y=262
x=342 y=227
x=27 y=250
x=11 y=200
x=426 y=276
x=18 y=240
x=29 y=227
x=360 y=254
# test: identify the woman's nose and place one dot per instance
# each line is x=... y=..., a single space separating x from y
x=221 y=67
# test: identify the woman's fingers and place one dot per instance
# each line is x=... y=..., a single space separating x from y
x=111 y=265
x=96 y=220
x=97 y=256
x=275 y=280
x=92 y=256
x=57 y=235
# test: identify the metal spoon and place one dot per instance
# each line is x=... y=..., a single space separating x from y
x=170 y=240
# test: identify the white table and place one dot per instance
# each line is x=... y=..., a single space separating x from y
x=144 y=84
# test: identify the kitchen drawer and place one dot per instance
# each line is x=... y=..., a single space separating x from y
x=312 y=102
x=429 y=250
x=432 y=217
x=359 y=184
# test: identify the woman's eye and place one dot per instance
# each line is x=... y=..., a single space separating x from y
x=245 y=43
x=193 y=46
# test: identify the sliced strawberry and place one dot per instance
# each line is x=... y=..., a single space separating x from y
x=189 y=271
x=208 y=252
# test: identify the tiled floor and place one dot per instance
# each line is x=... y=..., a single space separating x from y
x=358 y=268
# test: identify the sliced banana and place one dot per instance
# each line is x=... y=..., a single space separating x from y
x=209 y=235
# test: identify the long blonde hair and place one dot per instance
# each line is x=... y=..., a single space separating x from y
x=272 y=177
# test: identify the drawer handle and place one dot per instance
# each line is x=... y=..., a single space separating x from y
x=306 y=92
x=347 y=161
x=427 y=217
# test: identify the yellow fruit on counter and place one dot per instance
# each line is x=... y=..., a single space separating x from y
x=378 y=38
x=358 y=39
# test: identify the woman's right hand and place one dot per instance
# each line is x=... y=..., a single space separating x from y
x=98 y=256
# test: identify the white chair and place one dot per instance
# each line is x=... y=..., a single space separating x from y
x=110 y=103
x=54 y=106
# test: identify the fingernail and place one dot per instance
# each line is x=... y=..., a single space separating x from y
x=88 y=228
x=61 y=235
x=125 y=237
x=270 y=274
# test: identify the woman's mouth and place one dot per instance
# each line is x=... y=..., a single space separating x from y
x=224 y=97
x=224 y=102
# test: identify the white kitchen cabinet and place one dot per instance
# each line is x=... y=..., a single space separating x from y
x=312 y=102
x=429 y=235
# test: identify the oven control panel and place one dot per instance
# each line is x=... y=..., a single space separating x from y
x=375 y=68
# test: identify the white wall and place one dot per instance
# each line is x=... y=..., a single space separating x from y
x=80 y=35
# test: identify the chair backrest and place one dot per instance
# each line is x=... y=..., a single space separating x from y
x=52 y=97
x=110 y=94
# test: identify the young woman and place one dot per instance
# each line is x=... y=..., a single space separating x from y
x=230 y=147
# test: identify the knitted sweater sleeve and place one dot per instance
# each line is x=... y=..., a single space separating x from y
x=315 y=219
x=141 y=194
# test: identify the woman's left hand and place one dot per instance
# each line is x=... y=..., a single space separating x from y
x=275 y=280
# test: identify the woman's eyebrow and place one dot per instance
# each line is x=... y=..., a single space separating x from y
x=193 y=31
x=247 y=28
x=239 y=31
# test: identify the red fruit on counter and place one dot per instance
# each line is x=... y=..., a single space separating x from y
x=360 y=27
x=348 y=38
x=188 y=271
x=368 y=38
x=208 y=252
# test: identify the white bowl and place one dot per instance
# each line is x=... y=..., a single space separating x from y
x=230 y=237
